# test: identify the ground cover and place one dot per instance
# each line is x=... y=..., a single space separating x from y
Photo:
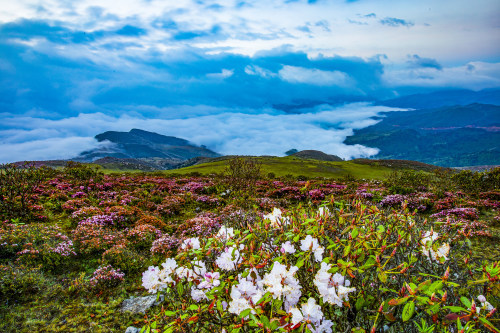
x=243 y=252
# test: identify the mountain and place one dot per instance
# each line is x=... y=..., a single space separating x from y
x=317 y=155
x=445 y=98
x=449 y=136
x=140 y=144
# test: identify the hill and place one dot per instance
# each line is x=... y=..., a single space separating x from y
x=445 y=98
x=143 y=144
x=450 y=136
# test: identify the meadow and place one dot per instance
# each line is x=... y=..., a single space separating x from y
x=247 y=247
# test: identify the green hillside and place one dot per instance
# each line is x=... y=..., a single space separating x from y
x=283 y=166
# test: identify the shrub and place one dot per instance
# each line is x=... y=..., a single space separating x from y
x=126 y=260
x=95 y=238
x=105 y=278
x=142 y=236
x=242 y=174
x=17 y=186
x=350 y=266
x=20 y=283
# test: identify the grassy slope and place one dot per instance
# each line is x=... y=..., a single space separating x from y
x=282 y=166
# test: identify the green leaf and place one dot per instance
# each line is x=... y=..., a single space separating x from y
x=465 y=301
x=398 y=301
x=193 y=307
x=169 y=313
x=300 y=263
x=455 y=308
x=355 y=233
x=347 y=249
x=244 y=313
x=382 y=277
x=408 y=311
x=265 y=321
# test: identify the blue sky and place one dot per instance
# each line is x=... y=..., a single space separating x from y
x=224 y=73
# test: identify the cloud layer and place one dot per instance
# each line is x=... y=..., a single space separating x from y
x=269 y=132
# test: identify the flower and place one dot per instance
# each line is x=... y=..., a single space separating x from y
x=287 y=247
x=198 y=295
x=225 y=233
x=439 y=255
x=225 y=260
x=151 y=279
x=276 y=218
x=311 y=244
x=280 y=282
x=311 y=313
x=484 y=303
x=333 y=288
x=191 y=243
x=211 y=280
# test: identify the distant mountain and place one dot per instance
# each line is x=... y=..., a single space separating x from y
x=140 y=144
x=317 y=155
x=445 y=98
x=449 y=136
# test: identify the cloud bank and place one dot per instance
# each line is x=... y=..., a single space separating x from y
x=269 y=132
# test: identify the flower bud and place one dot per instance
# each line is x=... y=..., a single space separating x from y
x=491 y=313
x=445 y=295
x=393 y=252
x=381 y=308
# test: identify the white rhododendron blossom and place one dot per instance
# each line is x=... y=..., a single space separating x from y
x=198 y=295
x=169 y=267
x=311 y=312
x=185 y=273
x=311 y=244
x=229 y=259
x=323 y=211
x=151 y=279
x=484 y=303
x=244 y=295
x=211 y=280
x=281 y=283
x=276 y=218
x=441 y=253
x=287 y=247
x=333 y=288
x=225 y=233
x=191 y=243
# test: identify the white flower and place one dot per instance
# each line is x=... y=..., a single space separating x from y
x=199 y=268
x=225 y=233
x=211 y=280
x=441 y=253
x=484 y=303
x=276 y=218
x=238 y=305
x=311 y=244
x=168 y=268
x=185 y=273
x=229 y=259
x=151 y=280
x=191 y=243
x=333 y=288
x=280 y=282
x=297 y=316
x=287 y=248
x=198 y=295
x=323 y=211
x=311 y=312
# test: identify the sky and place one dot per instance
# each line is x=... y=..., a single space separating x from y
x=242 y=77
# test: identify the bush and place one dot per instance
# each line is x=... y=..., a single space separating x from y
x=242 y=174
x=126 y=260
x=17 y=186
x=350 y=266
x=20 y=283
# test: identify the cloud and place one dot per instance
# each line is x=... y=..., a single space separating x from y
x=396 y=22
x=416 y=61
x=474 y=76
x=236 y=131
x=314 y=76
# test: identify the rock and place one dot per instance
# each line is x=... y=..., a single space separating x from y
x=140 y=304
x=132 y=329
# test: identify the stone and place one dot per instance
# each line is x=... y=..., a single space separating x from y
x=140 y=304
x=132 y=329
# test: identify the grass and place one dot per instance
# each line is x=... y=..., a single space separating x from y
x=283 y=166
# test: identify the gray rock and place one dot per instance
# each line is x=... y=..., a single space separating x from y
x=132 y=329
x=140 y=304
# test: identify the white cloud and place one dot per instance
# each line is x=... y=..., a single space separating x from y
x=323 y=128
x=474 y=75
x=315 y=76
